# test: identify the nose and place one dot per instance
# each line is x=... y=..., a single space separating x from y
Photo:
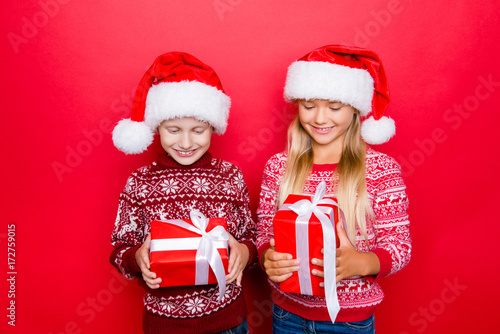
x=185 y=141
x=320 y=116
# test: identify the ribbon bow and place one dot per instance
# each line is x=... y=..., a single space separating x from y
x=305 y=209
x=206 y=254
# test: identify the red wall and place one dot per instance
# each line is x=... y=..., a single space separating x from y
x=69 y=69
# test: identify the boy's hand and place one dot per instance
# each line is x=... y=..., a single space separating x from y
x=142 y=259
x=278 y=266
x=238 y=259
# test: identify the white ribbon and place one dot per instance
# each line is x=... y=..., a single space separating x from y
x=304 y=209
x=206 y=254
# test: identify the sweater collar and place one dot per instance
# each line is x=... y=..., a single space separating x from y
x=324 y=167
x=167 y=161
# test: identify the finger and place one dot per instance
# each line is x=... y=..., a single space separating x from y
x=153 y=281
x=153 y=285
x=273 y=244
x=317 y=262
x=280 y=278
x=230 y=278
x=318 y=273
x=344 y=240
x=281 y=271
x=232 y=260
x=239 y=278
x=339 y=278
x=282 y=264
x=275 y=256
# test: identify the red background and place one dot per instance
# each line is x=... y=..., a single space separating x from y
x=69 y=69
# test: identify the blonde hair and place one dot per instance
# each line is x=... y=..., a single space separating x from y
x=351 y=189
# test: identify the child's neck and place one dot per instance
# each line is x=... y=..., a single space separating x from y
x=327 y=159
x=326 y=154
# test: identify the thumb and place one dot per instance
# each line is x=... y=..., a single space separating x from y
x=231 y=240
x=147 y=242
x=147 y=248
x=344 y=240
x=272 y=243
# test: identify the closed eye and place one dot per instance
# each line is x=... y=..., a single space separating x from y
x=307 y=107
x=199 y=131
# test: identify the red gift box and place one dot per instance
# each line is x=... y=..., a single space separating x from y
x=174 y=251
x=288 y=235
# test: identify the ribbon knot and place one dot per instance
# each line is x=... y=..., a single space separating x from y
x=308 y=207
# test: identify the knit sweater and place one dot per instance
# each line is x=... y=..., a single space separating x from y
x=388 y=235
x=168 y=190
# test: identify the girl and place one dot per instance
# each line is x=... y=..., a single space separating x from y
x=333 y=88
x=182 y=99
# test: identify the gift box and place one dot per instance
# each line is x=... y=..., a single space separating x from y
x=299 y=231
x=190 y=251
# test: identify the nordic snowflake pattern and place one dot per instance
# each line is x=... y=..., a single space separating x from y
x=169 y=186
x=201 y=185
x=389 y=233
x=154 y=193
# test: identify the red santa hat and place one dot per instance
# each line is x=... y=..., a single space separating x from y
x=349 y=75
x=176 y=85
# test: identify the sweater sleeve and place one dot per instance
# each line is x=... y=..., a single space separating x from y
x=391 y=225
x=267 y=205
x=128 y=233
x=246 y=224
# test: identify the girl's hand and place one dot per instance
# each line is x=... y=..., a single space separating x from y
x=350 y=262
x=238 y=259
x=142 y=259
x=278 y=266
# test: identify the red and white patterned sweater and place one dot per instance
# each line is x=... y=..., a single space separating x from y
x=167 y=190
x=388 y=235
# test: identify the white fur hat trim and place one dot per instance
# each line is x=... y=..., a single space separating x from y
x=322 y=80
x=168 y=100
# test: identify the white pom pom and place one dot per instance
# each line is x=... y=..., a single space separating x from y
x=377 y=132
x=132 y=137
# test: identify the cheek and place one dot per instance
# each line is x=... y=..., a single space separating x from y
x=206 y=141
x=167 y=139
x=303 y=118
x=347 y=118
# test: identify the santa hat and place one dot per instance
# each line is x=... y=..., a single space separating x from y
x=176 y=85
x=349 y=75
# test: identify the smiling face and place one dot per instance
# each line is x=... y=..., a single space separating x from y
x=326 y=122
x=185 y=139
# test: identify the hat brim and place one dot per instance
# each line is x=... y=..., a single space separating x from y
x=322 y=80
x=169 y=100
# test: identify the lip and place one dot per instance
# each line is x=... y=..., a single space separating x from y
x=185 y=154
x=323 y=130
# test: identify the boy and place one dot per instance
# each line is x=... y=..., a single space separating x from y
x=183 y=99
